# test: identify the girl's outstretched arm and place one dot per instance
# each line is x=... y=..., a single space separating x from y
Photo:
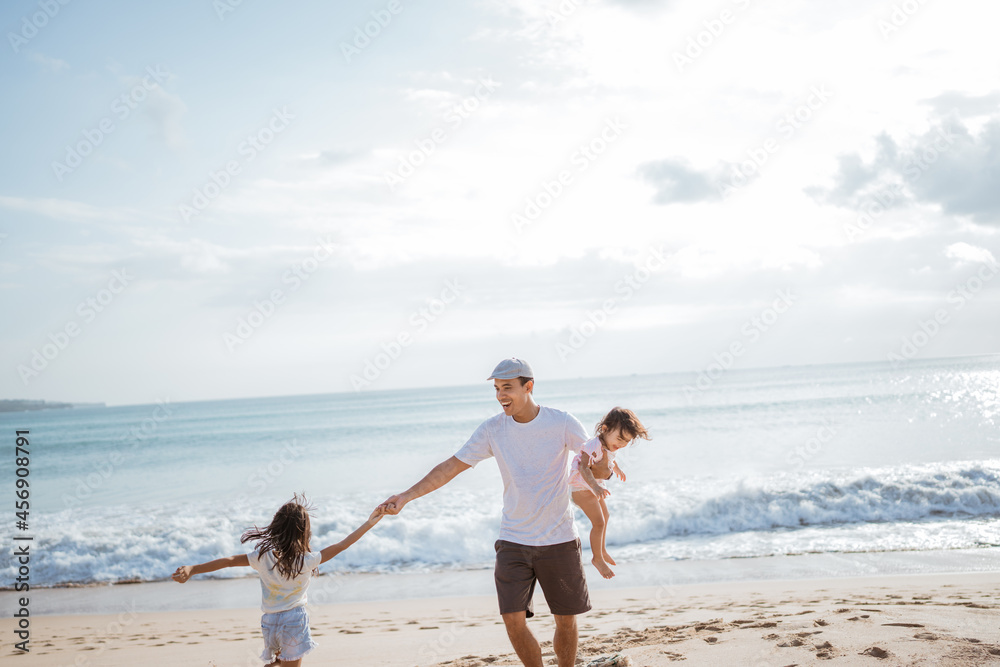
x=619 y=472
x=335 y=549
x=588 y=476
x=185 y=572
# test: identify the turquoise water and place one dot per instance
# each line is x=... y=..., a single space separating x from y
x=830 y=459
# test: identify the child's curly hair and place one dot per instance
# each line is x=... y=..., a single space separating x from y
x=624 y=419
x=287 y=536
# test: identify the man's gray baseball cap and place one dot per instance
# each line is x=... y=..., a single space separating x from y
x=512 y=368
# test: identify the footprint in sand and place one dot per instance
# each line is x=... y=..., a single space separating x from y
x=904 y=625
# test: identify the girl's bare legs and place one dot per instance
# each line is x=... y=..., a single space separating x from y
x=591 y=506
x=291 y=663
x=604 y=533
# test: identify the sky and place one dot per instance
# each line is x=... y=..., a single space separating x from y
x=218 y=199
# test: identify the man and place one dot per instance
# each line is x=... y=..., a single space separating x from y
x=538 y=541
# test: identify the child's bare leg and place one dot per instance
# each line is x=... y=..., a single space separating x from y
x=291 y=663
x=604 y=533
x=591 y=506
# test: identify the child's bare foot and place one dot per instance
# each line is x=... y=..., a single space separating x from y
x=603 y=568
x=608 y=559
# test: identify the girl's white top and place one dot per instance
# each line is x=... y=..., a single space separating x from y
x=277 y=592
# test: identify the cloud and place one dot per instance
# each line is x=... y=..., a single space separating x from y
x=677 y=182
x=965 y=253
x=948 y=166
x=966 y=105
x=65 y=210
x=54 y=64
x=164 y=110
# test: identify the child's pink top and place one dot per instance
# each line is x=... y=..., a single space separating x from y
x=595 y=452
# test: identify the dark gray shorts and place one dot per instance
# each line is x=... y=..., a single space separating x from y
x=558 y=569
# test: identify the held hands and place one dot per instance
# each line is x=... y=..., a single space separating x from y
x=376 y=516
x=392 y=505
x=182 y=574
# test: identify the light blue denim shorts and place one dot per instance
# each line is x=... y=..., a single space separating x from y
x=286 y=635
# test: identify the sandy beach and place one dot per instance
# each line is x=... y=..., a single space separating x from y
x=930 y=619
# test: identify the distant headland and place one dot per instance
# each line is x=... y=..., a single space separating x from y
x=18 y=405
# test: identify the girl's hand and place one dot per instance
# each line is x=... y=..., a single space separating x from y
x=182 y=574
x=376 y=516
x=618 y=471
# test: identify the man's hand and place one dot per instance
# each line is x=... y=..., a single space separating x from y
x=182 y=574
x=392 y=505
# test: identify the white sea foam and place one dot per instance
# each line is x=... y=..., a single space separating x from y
x=932 y=506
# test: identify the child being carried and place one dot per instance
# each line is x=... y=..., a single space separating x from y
x=592 y=466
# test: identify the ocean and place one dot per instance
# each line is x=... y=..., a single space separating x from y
x=832 y=459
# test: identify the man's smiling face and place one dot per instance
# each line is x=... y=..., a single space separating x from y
x=513 y=397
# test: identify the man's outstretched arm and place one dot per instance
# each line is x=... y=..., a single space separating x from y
x=441 y=474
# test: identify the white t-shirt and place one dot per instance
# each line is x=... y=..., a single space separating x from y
x=277 y=592
x=534 y=463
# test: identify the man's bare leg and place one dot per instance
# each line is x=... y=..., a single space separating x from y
x=565 y=640
x=524 y=642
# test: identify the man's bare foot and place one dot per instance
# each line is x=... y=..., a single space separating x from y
x=603 y=568
x=608 y=559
